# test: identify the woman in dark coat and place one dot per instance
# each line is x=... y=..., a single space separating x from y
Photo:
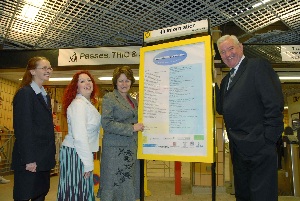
x=34 y=149
x=119 y=172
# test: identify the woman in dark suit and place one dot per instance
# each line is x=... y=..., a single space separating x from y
x=34 y=149
x=119 y=174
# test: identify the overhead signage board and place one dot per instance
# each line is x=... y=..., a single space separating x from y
x=290 y=52
x=176 y=31
x=99 y=56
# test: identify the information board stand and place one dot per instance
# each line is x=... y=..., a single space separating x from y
x=176 y=97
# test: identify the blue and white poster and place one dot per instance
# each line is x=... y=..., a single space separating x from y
x=175 y=101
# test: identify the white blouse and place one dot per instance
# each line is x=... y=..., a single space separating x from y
x=84 y=123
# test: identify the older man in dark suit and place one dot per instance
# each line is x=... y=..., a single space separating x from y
x=251 y=102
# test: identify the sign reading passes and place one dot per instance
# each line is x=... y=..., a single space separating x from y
x=175 y=101
x=99 y=56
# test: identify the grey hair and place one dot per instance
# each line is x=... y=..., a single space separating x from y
x=225 y=37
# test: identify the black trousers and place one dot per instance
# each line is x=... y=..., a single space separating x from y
x=31 y=185
x=255 y=177
x=39 y=198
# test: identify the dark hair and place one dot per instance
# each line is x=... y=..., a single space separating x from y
x=122 y=70
x=71 y=91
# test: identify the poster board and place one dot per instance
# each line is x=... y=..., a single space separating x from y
x=175 y=101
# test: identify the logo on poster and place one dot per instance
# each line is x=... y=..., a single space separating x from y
x=170 y=57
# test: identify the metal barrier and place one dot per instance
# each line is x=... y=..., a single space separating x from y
x=6 y=145
x=58 y=141
x=7 y=141
x=159 y=168
x=292 y=166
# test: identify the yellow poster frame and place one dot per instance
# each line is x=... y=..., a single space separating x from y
x=209 y=101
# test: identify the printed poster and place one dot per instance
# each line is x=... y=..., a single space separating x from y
x=176 y=101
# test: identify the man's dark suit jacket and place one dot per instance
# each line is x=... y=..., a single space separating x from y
x=252 y=107
x=34 y=131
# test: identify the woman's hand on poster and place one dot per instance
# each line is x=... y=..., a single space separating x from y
x=138 y=127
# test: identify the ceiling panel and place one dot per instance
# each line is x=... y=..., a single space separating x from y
x=90 y=23
x=262 y=25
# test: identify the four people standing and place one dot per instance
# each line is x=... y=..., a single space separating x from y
x=251 y=102
x=76 y=154
x=119 y=171
x=34 y=150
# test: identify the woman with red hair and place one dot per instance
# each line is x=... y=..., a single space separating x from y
x=76 y=153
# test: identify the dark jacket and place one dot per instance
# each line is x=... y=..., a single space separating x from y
x=252 y=107
x=34 y=131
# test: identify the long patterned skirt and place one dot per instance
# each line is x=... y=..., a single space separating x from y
x=72 y=185
x=119 y=174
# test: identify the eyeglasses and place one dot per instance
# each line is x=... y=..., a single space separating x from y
x=46 y=68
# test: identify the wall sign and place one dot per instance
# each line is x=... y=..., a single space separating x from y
x=290 y=52
x=99 y=56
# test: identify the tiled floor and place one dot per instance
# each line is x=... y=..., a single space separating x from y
x=160 y=185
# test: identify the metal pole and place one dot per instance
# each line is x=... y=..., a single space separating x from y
x=177 y=178
x=213 y=181
x=142 y=177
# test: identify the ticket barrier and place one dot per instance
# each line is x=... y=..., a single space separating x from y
x=291 y=163
x=6 y=146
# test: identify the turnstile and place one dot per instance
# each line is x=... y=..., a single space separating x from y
x=291 y=163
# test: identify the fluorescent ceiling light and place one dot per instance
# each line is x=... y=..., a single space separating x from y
x=29 y=12
x=110 y=78
x=289 y=78
x=31 y=9
x=258 y=4
x=59 y=79
x=286 y=107
x=37 y=3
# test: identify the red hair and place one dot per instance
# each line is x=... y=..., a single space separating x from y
x=71 y=91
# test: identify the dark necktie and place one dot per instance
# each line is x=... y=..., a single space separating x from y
x=45 y=98
x=230 y=77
